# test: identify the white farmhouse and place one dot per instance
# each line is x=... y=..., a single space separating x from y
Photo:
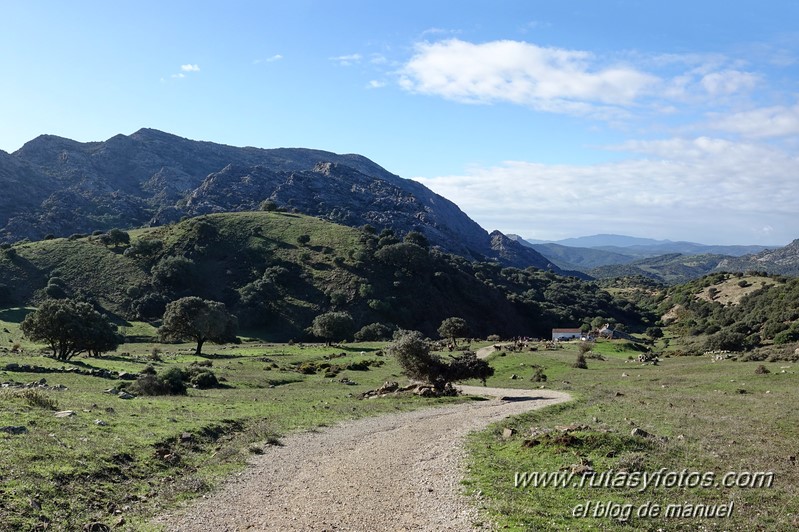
x=566 y=334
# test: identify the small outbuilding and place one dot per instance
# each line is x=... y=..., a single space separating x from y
x=566 y=334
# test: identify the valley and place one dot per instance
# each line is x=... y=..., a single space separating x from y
x=319 y=264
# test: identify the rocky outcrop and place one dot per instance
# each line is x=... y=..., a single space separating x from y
x=784 y=260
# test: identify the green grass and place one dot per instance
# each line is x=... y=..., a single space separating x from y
x=715 y=417
x=80 y=471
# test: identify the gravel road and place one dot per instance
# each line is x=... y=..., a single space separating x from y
x=396 y=472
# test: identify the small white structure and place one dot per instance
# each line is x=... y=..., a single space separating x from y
x=566 y=334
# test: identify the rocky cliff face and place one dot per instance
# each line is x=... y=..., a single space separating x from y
x=59 y=186
x=783 y=261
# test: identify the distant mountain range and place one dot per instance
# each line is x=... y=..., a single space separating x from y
x=605 y=256
x=57 y=186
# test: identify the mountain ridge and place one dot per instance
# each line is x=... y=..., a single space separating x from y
x=151 y=177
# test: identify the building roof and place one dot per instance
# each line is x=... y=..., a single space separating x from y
x=567 y=331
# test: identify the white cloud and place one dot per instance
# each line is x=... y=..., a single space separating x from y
x=189 y=68
x=378 y=59
x=347 y=60
x=376 y=84
x=270 y=59
x=775 y=121
x=729 y=82
x=695 y=189
x=548 y=79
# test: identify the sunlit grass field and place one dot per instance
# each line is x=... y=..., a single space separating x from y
x=701 y=416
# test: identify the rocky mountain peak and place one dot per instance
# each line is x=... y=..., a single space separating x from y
x=61 y=186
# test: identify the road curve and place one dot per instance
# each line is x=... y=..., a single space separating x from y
x=391 y=472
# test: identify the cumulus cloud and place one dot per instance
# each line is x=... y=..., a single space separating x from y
x=726 y=190
x=189 y=68
x=548 y=79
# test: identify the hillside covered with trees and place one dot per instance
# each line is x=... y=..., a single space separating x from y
x=278 y=271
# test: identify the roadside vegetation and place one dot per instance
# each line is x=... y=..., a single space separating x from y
x=690 y=414
x=115 y=438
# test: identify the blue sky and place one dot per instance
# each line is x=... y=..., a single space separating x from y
x=548 y=119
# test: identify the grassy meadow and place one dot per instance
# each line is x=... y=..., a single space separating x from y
x=119 y=462
x=701 y=416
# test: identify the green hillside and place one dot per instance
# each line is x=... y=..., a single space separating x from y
x=754 y=313
x=278 y=270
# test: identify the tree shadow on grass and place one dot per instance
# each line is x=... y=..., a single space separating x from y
x=15 y=315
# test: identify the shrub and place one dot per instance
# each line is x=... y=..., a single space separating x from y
x=413 y=354
x=538 y=375
x=468 y=366
x=175 y=380
x=268 y=206
x=37 y=399
x=762 y=370
x=170 y=383
x=580 y=363
x=204 y=380
x=332 y=326
x=155 y=355
x=786 y=337
x=373 y=332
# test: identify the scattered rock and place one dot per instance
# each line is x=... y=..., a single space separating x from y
x=582 y=469
x=507 y=433
x=186 y=437
x=65 y=413
x=641 y=432
x=125 y=395
x=100 y=422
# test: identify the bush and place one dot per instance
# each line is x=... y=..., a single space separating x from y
x=762 y=370
x=332 y=326
x=268 y=206
x=374 y=332
x=786 y=337
x=204 y=380
x=580 y=363
x=468 y=366
x=170 y=383
x=538 y=375
x=413 y=354
x=725 y=340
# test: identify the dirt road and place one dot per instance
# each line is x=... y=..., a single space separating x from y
x=394 y=472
